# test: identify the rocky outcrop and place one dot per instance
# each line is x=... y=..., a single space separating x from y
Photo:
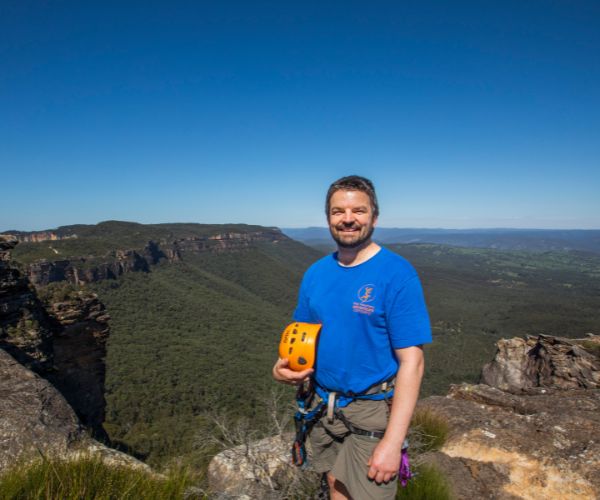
x=532 y=446
x=261 y=469
x=25 y=331
x=532 y=430
x=81 y=271
x=62 y=337
x=543 y=361
x=114 y=264
x=39 y=236
x=33 y=414
x=79 y=345
x=36 y=419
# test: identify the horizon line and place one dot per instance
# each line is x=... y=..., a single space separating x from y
x=282 y=228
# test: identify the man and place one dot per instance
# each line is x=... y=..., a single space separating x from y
x=374 y=322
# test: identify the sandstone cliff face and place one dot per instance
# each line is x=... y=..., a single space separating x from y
x=79 y=345
x=25 y=331
x=85 y=270
x=39 y=236
x=64 y=340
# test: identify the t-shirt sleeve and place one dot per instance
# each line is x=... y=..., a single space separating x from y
x=407 y=316
x=303 y=312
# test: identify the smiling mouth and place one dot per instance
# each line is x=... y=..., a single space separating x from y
x=345 y=229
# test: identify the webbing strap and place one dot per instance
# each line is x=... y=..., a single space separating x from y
x=342 y=400
x=357 y=430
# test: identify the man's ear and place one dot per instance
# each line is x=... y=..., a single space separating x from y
x=375 y=221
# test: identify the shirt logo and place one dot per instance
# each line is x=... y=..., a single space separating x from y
x=365 y=294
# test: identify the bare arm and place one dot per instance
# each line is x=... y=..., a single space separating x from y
x=385 y=460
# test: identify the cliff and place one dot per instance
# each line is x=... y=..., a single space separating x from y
x=39 y=236
x=112 y=264
x=79 y=350
x=60 y=334
x=25 y=330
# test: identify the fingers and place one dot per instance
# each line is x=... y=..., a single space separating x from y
x=377 y=475
x=380 y=476
x=304 y=374
x=283 y=373
x=372 y=474
x=295 y=378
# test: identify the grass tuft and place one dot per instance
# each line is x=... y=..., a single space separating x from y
x=90 y=478
x=429 y=430
x=428 y=484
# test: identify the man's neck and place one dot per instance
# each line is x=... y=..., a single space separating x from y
x=350 y=257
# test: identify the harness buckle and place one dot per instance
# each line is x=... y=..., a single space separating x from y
x=331 y=406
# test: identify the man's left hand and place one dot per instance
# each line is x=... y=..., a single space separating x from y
x=384 y=462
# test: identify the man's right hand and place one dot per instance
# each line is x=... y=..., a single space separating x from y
x=283 y=373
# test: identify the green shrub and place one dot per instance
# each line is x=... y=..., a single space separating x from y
x=90 y=478
x=428 y=483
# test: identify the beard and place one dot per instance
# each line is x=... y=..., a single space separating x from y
x=354 y=239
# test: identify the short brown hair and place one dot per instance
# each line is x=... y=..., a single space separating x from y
x=353 y=183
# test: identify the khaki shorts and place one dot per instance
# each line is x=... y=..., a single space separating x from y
x=345 y=455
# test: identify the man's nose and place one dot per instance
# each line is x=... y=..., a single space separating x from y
x=348 y=216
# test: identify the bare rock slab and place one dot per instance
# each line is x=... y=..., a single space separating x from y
x=534 y=446
x=36 y=419
x=33 y=415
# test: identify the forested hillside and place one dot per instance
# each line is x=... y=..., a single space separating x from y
x=477 y=296
x=195 y=339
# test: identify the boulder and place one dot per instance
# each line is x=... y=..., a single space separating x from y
x=36 y=420
x=259 y=469
x=543 y=361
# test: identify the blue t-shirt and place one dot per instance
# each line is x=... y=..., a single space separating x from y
x=366 y=311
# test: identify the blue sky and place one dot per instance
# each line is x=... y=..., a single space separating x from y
x=464 y=114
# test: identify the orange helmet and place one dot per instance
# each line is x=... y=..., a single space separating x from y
x=299 y=345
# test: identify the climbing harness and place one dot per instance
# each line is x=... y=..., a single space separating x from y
x=331 y=403
x=304 y=420
x=299 y=344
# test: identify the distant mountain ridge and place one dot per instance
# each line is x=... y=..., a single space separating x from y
x=90 y=253
x=587 y=240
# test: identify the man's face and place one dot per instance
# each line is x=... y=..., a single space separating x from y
x=351 y=219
